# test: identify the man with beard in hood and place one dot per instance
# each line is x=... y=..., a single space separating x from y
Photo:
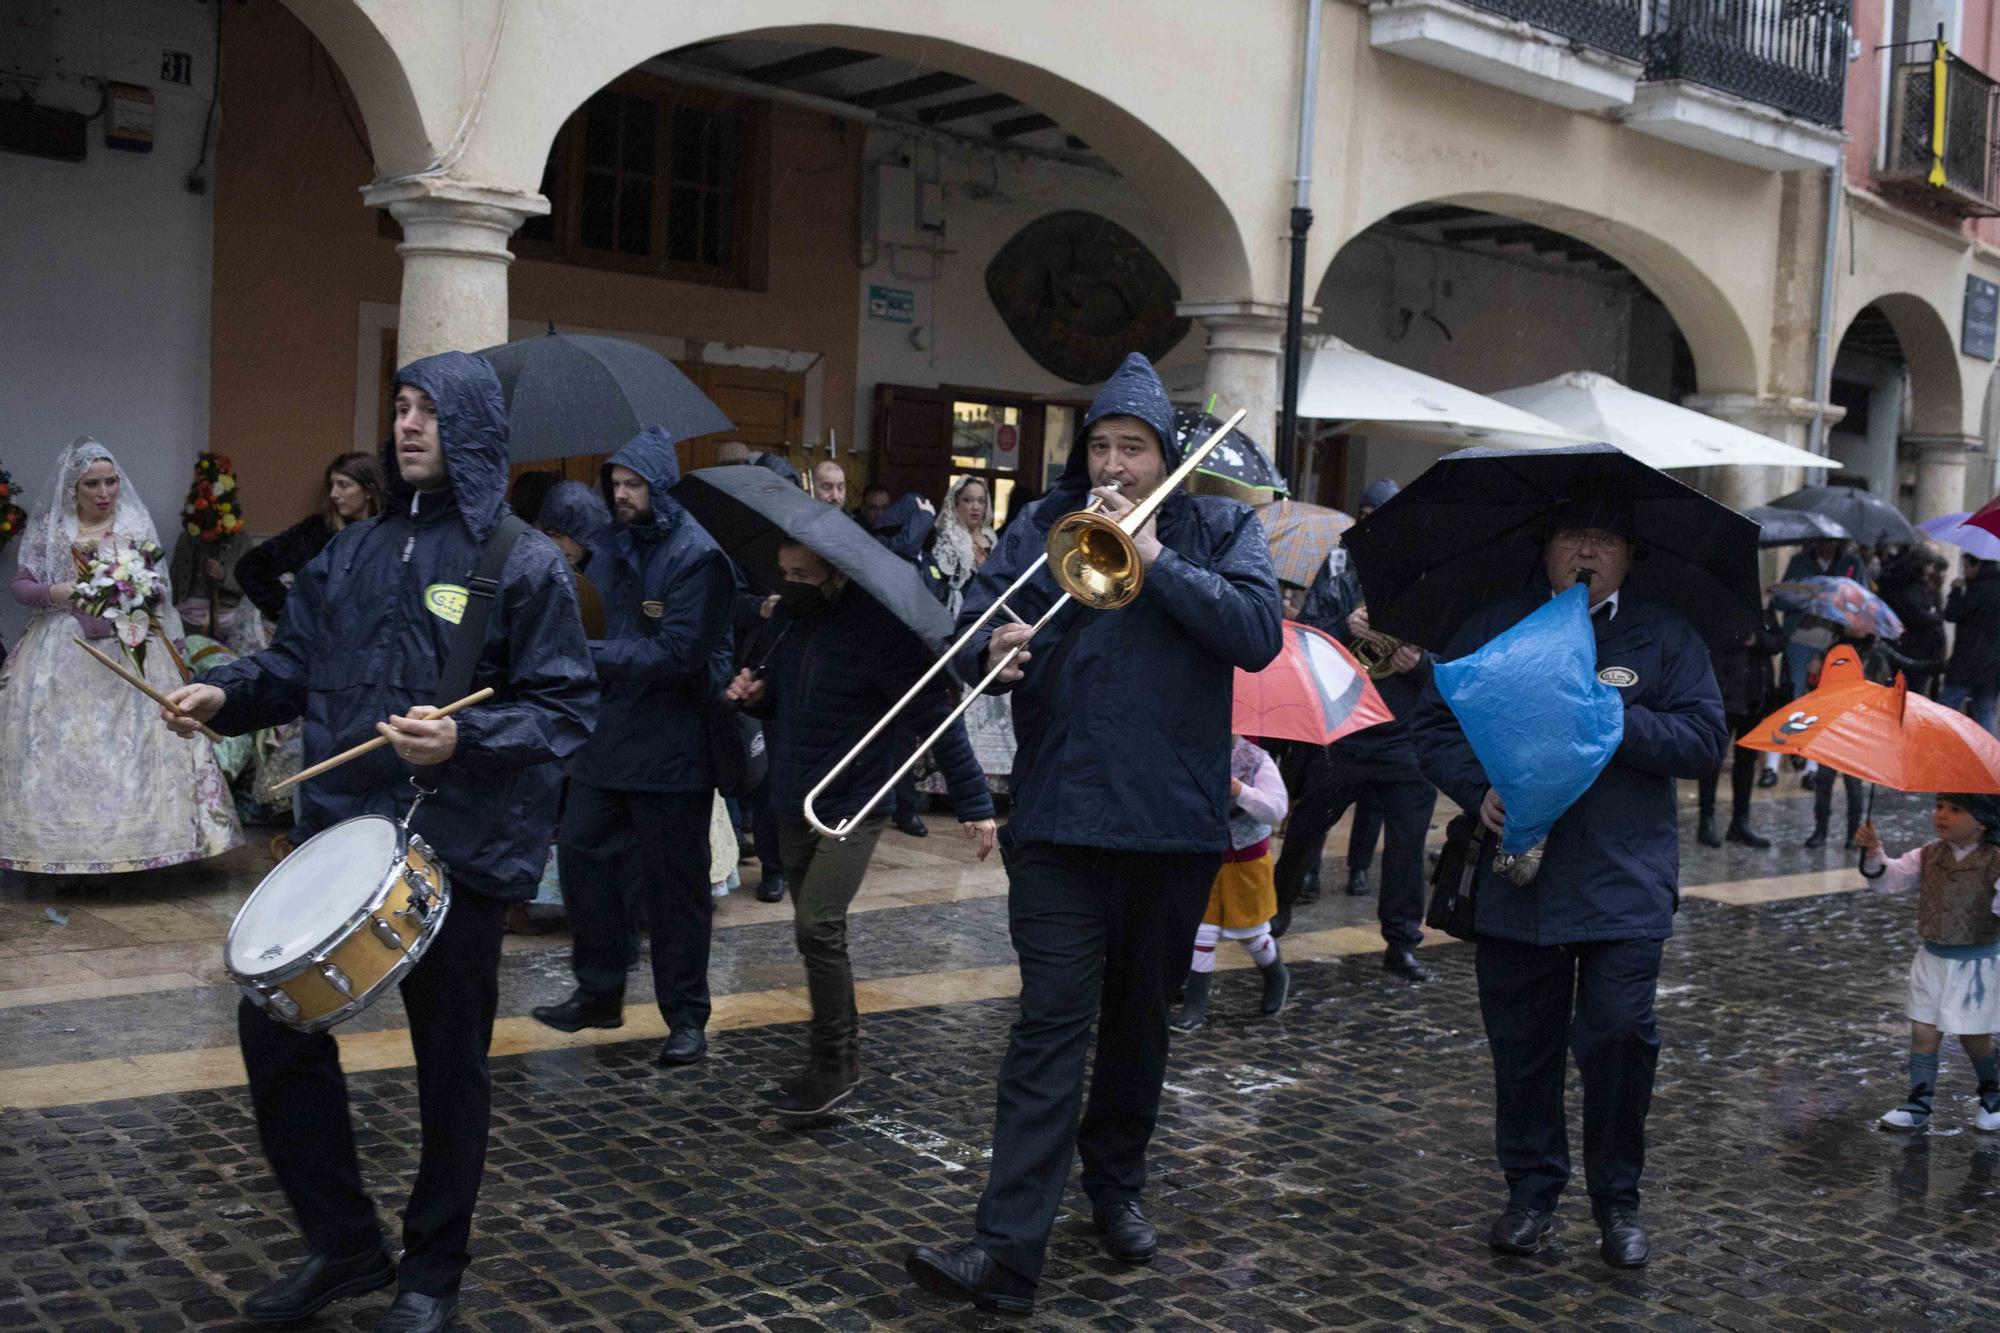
x=1120 y=822
x=636 y=823
x=368 y=630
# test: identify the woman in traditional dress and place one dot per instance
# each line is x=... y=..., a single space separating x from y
x=964 y=538
x=91 y=782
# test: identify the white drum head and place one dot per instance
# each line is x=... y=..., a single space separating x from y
x=301 y=903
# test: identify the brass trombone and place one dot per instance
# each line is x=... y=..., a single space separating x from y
x=1094 y=560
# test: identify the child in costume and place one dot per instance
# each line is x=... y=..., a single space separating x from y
x=1955 y=978
x=1244 y=898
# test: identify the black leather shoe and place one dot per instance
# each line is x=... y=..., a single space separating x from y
x=1357 y=883
x=1818 y=838
x=969 y=1273
x=1402 y=961
x=683 y=1046
x=415 y=1312
x=1521 y=1231
x=771 y=889
x=1767 y=777
x=1309 y=886
x=913 y=825
x=1624 y=1242
x=581 y=1011
x=1741 y=835
x=1705 y=834
x=317 y=1283
x=817 y=1091
x=1128 y=1236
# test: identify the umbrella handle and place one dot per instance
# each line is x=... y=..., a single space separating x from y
x=1867 y=815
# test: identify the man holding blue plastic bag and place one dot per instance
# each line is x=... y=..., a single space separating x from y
x=1569 y=953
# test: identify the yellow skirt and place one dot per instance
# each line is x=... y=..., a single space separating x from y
x=1244 y=895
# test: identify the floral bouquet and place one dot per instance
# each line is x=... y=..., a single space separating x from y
x=12 y=516
x=213 y=511
x=124 y=586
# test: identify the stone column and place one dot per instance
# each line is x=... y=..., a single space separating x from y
x=1246 y=348
x=1941 y=466
x=455 y=260
x=1787 y=420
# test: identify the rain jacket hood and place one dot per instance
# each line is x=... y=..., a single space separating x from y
x=1134 y=390
x=771 y=462
x=472 y=428
x=651 y=454
x=574 y=510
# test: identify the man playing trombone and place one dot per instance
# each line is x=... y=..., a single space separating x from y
x=1120 y=821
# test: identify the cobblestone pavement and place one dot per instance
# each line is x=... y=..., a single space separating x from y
x=1327 y=1168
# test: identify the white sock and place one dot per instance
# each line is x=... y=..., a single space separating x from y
x=1262 y=948
x=1205 y=940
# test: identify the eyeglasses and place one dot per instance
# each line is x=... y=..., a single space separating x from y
x=1596 y=538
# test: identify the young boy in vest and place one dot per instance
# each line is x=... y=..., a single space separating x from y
x=1955 y=978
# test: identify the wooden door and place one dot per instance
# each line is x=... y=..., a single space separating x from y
x=912 y=440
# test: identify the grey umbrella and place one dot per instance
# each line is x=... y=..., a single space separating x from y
x=572 y=393
x=1238 y=459
x=1869 y=519
x=751 y=511
x=1793 y=527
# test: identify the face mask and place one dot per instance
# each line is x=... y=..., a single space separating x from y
x=801 y=599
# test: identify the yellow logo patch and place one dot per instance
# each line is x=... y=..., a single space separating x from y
x=654 y=609
x=446 y=601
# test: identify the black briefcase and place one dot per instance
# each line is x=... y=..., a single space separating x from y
x=1455 y=883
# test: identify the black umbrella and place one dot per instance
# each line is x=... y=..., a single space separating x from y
x=1793 y=527
x=1869 y=519
x=570 y=393
x=751 y=511
x=1238 y=459
x=1469 y=532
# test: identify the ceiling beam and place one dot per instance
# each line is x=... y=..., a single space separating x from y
x=807 y=64
x=939 y=113
x=1425 y=214
x=910 y=90
x=1008 y=129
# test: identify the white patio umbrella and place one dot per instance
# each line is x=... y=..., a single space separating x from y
x=1652 y=430
x=1343 y=383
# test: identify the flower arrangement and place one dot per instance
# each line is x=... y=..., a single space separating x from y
x=213 y=511
x=12 y=516
x=124 y=586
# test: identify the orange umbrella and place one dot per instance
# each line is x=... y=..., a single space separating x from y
x=1313 y=691
x=1881 y=733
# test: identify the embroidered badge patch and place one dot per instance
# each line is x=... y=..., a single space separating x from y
x=446 y=601
x=1618 y=677
x=653 y=609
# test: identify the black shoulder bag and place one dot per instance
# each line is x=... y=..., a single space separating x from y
x=1454 y=905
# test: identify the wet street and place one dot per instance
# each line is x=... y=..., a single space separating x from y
x=1327 y=1168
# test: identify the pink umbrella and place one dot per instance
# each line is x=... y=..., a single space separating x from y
x=1314 y=691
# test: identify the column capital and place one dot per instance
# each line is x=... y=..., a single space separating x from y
x=1767 y=414
x=1259 y=316
x=441 y=216
x=1943 y=448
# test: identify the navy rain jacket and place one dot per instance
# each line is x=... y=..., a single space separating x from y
x=828 y=678
x=363 y=638
x=1385 y=750
x=1611 y=865
x=667 y=590
x=1122 y=720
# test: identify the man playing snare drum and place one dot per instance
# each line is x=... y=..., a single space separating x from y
x=367 y=632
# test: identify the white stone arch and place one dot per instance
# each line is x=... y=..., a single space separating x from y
x=1940 y=405
x=478 y=97
x=1726 y=347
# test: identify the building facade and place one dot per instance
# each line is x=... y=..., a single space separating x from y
x=909 y=235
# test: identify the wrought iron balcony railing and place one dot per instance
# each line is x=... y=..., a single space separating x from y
x=1789 y=55
x=1953 y=158
x=1608 y=25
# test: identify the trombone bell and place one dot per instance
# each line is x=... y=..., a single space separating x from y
x=1094 y=560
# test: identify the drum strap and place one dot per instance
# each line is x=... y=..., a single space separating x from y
x=480 y=588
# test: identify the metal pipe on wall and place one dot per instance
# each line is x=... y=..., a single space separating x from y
x=1285 y=452
x=1823 y=335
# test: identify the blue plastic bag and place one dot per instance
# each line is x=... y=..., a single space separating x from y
x=1537 y=716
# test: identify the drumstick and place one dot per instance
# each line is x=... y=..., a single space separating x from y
x=139 y=683
x=430 y=714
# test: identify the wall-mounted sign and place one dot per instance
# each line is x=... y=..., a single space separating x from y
x=128 y=117
x=1079 y=293
x=892 y=304
x=1982 y=318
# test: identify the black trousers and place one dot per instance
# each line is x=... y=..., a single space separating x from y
x=1405 y=806
x=1742 y=766
x=1823 y=796
x=1597 y=999
x=1363 y=834
x=1102 y=936
x=300 y=1098
x=650 y=848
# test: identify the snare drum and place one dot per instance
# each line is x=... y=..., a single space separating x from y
x=338 y=922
